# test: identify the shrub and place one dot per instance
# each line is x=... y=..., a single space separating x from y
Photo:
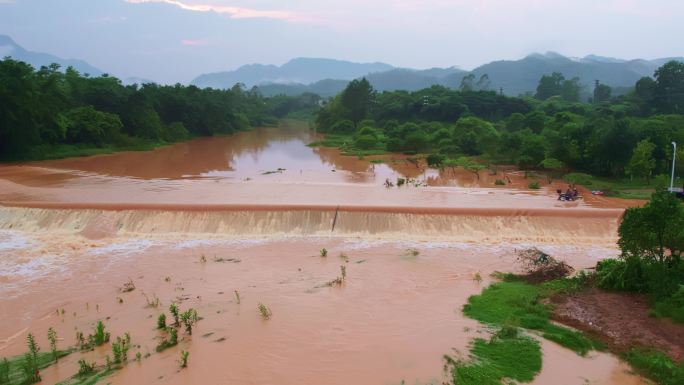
x=85 y=368
x=189 y=318
x=534 y=185
x=101 y=335
x=52 y=337
x=365 y=142
x=499 y=182
x=324 y=252
x=435 y=160
x=183 y=359
x=161 y=321
x=173 y=309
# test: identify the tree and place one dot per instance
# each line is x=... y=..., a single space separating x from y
x=571 y=89
x=645 y=88
x=87 y=125
x=356 y=100
x=642 y=162
x=467 y=83
x=484 y=83
x=550 y=85
x=669 y=88
x=654 y=232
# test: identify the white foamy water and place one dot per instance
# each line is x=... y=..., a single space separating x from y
x=13 y=240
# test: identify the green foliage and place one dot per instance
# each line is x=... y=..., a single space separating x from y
x=656 y=365
x=161 y=321
x=189 y=318
x=120 y=349
x=183 y=362
x=52 y=338
x=505 y=356
x=4 y=371
x=85 y=368
x=167 y=343
x=642 y=163
x=47 y=113
x=31 y=366
x=499 y=182
x=654 y=232
x=578 y=178
x=534 y=185
x=101 y=336
x=173 y=309
x=519 y=303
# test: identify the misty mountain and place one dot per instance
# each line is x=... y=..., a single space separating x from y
x=521 y=76
x=37 y=59
x=300 y=70
x=515 y=77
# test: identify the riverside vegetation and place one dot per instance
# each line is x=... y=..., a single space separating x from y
x=46 y=113
x=650 y=263
x=615 y=143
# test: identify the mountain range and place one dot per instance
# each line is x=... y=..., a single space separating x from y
x=37 y=59
x=328 y=77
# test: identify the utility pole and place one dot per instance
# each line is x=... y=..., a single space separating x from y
x=596 y=87
x=674 y=156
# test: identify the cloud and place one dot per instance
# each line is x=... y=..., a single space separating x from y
x=233 y=12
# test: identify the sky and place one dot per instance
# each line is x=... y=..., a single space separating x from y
x=172 y=41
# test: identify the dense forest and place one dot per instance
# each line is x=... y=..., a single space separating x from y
x=610 y=136
x=48 y=113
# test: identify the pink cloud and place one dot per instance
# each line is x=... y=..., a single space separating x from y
x=234 y=12
x=195 y=42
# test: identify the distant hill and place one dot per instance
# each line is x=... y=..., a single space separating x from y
x=515 y=77
x=521 y=76
x=300 y=70
x=37 y=59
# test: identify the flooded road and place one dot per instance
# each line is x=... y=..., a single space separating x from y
x=259 y=206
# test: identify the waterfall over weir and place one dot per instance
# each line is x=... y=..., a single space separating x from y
x=572 y=226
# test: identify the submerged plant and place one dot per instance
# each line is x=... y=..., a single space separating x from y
x=477 y=277
x=324 y=252
x=153 y=302
x=343 y=269
x=120 y=348
x=172 y=341
x=161 y=321
x=237 y=296
x=52 y=337
x=189 y=318
x=30 y=365
x=128 y=286
x=85 y=368
x=264 y=311
x=183 y=359
x=101 y=335
x=173 y=309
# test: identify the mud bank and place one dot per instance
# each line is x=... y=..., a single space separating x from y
x=580 y=226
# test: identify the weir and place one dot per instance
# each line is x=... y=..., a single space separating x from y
x=557 y=226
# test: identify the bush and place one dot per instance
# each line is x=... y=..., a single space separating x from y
x=365 y=142
x=578 y=178
x=342 y=127
x=435 y=160
x=499 y=182
x=534 y=185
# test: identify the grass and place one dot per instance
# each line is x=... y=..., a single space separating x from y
x=507 y=355
x=656 y=365
x=12 y=369
x=519 y=303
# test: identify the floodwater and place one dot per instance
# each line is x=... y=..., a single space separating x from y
x=73 y=231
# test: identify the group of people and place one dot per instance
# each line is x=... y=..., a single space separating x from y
x=570 y=194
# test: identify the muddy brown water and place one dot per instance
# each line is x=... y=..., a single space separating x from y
x=73 y=231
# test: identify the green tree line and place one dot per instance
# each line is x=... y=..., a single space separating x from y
x=47 y=112
x=612 y=136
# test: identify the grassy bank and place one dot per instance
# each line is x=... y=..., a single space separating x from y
x=511 y=305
